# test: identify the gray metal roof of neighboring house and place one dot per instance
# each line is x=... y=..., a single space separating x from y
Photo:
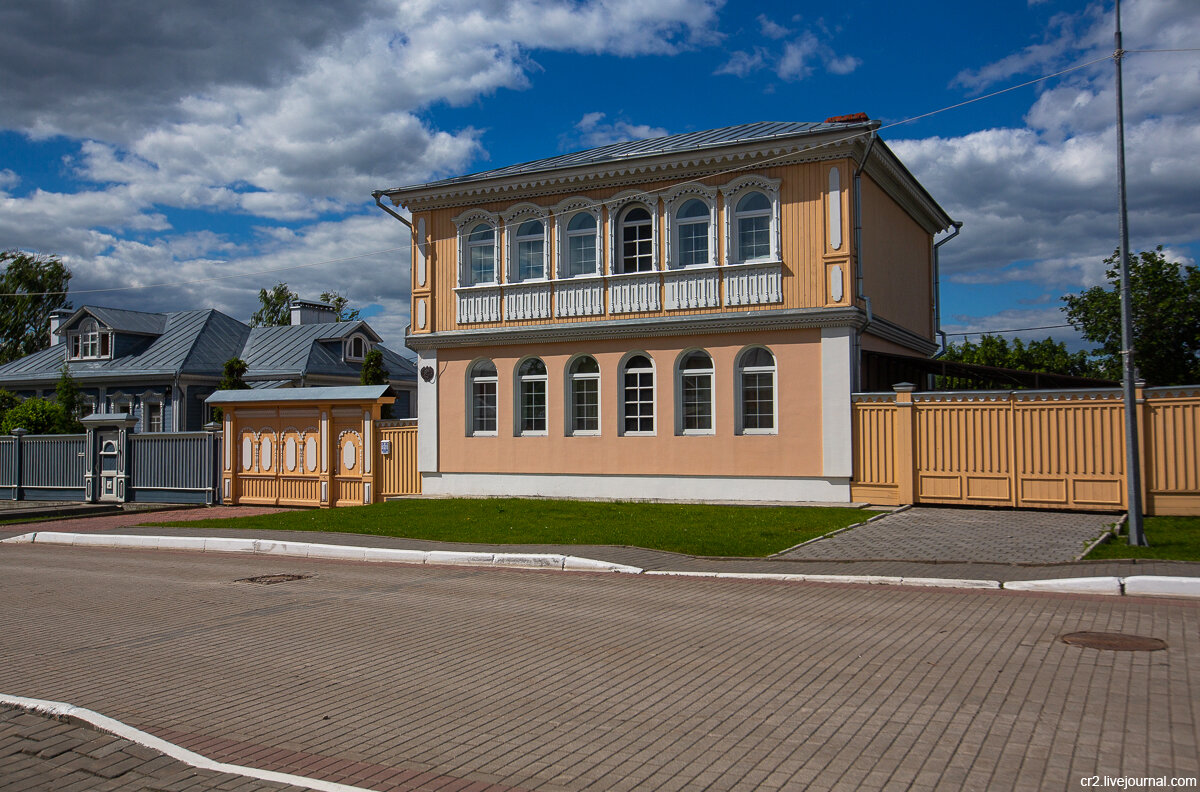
x=761 y=131
x=268 y=384
x=120 y=319
x=291 y=348
x=348 y=393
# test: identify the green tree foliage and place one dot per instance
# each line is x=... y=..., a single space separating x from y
x=341 y=305
x=38 y=285
x=233 y=375
x=274 y=306
x=66 y=392
x=1047 y=356
x=373 y=372
x=1165 y=301
x=8 y=400
x=38 y=416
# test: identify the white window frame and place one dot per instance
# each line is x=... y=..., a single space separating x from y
x=572 y=377
x=733 y=192
x=494 y=381
x=618 y=206
x=740 y=372
x=520 y=380
x=674 y=201
x=152 y=417
x=514 y=218
x=624 y=370
x=90 y=342
x=681 y=427
x=466 y=224
x=349 y=349
x=564 y=213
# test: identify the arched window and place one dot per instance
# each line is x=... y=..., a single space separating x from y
x=531 y=255
x=695 y=391
x=752 y=227
x=638 y=395
x=481 y=255
x=581 y=245
x=756 y=392
x=637 y=240
x=531 y=397
x=481 y=396
x=88 y=341
x=356 y=349
x=585 y=396
x=691 y=234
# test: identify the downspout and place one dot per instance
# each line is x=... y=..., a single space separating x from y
x=937 y=287
x=377 y=194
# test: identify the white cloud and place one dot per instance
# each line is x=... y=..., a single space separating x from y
x=801 y=56
x=742 y=63
x=771 y=29
x=592 y=131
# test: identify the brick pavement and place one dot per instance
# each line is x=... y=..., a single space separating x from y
x=556 y=681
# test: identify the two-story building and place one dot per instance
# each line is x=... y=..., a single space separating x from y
x=681 y=317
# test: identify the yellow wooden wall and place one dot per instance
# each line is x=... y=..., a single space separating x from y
x=396 y=472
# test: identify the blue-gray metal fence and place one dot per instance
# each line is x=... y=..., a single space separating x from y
x=52 y=467
x=172 y=467
x=8 y=468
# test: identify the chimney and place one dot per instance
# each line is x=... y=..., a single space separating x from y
x=56 y=319
x=312 y=312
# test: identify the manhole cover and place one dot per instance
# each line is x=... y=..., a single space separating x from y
x=266 y=580
x=1116 y=642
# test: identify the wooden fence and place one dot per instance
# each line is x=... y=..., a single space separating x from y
x=1036 y=449
x=397 y=458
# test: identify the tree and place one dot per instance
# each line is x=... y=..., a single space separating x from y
x=340 y=305
x=38 y=416
x=66 y=392
x=373 y=372
x=33 y=286
x=1047 y=356
x=1165 y=306
x=274 y=306
x=233 y=375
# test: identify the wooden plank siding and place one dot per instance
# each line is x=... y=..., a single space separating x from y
x=1025 y=449
x=397 y=470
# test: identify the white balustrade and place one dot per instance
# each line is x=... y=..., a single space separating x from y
x=634 y=293
x=753 y=284
x=478 y=304
x=526 y=301
x=579 y=297
x=692 y=288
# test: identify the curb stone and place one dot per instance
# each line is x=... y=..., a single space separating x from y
x=1136 y=585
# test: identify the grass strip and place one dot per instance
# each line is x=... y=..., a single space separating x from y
x=1170 y=538
x=750 y=531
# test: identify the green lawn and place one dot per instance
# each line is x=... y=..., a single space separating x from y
x=692 y=529
x=1170 y=538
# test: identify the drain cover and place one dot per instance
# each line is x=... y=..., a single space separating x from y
x=1116 y=642
x=266 y=580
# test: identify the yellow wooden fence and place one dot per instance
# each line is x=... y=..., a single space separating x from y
x=1037 y=449
x=398 y=466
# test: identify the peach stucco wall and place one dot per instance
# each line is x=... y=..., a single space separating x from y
x=794 y=451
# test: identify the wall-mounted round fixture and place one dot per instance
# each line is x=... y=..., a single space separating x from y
x=427 y=373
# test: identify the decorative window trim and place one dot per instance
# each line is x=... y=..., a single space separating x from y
x=680 y=418
x=519 y=380
x=673 y=201
x=513 y=217
x=563 y=214
x=569 y=396
x=621 y=371
x=94 y=343
x=470 y=394
x=348 y=348
x=732 y=193
x=464 y=223
x=740 y=370
x=617 y=206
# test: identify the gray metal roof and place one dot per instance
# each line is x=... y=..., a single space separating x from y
x=296 y=348
x=349 y=393
x=119 y=319
x=761 y=131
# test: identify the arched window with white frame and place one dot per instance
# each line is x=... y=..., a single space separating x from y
x=584 y=396
x=757 y=392
x=531 y=397
x=635 y=232
x=481 y=398
x=694 y=391
x=581 y=248
x=531 y=250
x=691 y=234
x=481 y=255
x=637 y=395
x=752 y=220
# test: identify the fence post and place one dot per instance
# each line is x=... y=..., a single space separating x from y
x=905 y=463
x=17 y=433
x=1139 y=390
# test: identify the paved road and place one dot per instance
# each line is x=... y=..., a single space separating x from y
x=456 y=678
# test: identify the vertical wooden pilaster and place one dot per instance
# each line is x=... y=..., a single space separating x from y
x=905 y=462
x=1139 y=392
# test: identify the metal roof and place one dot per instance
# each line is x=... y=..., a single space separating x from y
x=758 y=132
x=349 y=393
x=119 y=319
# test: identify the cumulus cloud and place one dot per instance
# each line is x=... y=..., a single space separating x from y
x=799 y=58
x=592 y=131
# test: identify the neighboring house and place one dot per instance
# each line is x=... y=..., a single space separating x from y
x=160 y=367
x=680 y=317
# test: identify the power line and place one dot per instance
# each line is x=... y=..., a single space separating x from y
x=1014 y=330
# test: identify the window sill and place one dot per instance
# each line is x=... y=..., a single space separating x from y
x=481 y=434
x=763 y=262
x=585 y=433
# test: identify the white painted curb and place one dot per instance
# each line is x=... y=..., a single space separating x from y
x=313 y=550
x=58 y=709
x=1162 y=586
x=1082 y=585
x=884 y=580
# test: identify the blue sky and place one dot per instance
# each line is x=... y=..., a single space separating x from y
x=197 y=149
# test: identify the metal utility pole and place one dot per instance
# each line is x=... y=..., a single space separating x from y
x=1133 y=468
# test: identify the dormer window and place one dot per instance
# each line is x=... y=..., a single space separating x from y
x=88 y=342
x=357 y=348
